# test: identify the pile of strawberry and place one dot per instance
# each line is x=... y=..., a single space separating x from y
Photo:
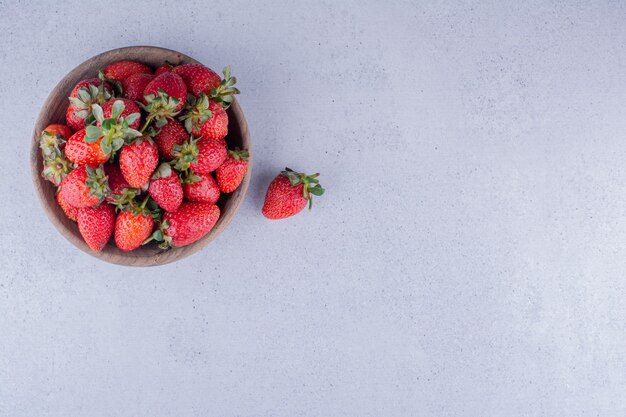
x=143 y=157
x=143 y=154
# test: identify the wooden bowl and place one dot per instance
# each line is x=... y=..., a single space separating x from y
x=53 y=111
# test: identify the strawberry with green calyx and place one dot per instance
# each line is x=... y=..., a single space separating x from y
x=230 y=174
x=134 y=85
x=53 y=138
x=171 y=134
x=163 y=98
x=56 y=168
x=70 y=211
x=96 y=225
x=165 y=188
x=138 y=160
x=205 y=118
x=133 y=226
x=83 y=96
x=224 y=92
x=85 y=186
x=200 y=155
x=121 y=193
x=81 y=152
x=201 y=188
x=186 y=225
x=115 y=127
x=289 y=193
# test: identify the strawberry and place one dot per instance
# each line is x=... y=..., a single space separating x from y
x=200 y=155
x=133 y=226
x=96 y=224
x=81 y=152
x=172 y=133
x=56 y=168
x=201 y=187
x=138 y=161
x=84 y=94
x=165 y=188
x=134 y=85
x=205 y=118
x=70 y=211
x=164 y=97
x=116 y=123
x=121 y=192
x=230 y=174
x=199 y=79
x=85 y=187
x=224 y=92
x=187 y=224
x=289 y=193
x=163 y=68
x=53 y=138
x=121 y=70
x=129 y=107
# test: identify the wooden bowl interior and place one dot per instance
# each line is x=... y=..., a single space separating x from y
x=53 y=111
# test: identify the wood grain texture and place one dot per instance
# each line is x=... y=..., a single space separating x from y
x=53 y=111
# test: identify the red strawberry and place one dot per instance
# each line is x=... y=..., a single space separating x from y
x=58 y=129
x=85 y=187
x=205 y=118
x=121 y=70
x=134 y=85
x=56 y=168
x=132 y=228
x=202 y=188
x=83 y=153
x=187 y=224
x=163 y=68
x=121 y=192
x=96 y=224
x=130 y=107
x=230 y=174
x=289 y=193
x=138 y=161
x=200 y=155
x=174 y=88
x=199 y=79
x=84 y=94
x=172 y=133
x=69 y=211
x=165 y=188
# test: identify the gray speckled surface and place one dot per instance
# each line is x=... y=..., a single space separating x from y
x=468 y=258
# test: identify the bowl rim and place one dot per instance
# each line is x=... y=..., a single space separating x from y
x=110 y=253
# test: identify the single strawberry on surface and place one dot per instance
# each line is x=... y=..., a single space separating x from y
x=230 y=174
x=138 y=160
x=133 y=226
x=171 y=134
x=201 y=188
x=121 y=70
x=186 y=225
x=96 y=225
x=85 y=187
x=289 y=193
x=134 y=86
x=165 y=188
